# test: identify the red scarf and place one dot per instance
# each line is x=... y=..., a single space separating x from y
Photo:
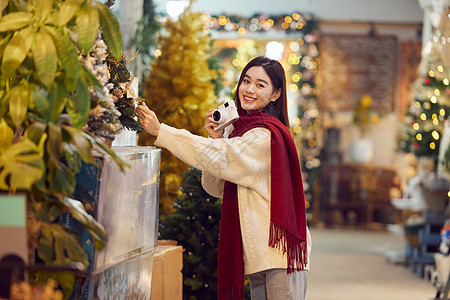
x=287 y=209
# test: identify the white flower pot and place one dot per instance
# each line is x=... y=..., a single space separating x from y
x=361 y=151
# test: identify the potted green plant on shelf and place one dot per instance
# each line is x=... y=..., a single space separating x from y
x=45 y=99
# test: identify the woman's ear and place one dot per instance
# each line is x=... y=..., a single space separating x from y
x=275 y=95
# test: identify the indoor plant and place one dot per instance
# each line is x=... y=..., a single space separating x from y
x=44 y=105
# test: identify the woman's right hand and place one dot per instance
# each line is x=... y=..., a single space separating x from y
x=210 y=124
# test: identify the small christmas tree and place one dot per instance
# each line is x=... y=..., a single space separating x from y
x=180 y=90
x=424 y=122
x=195 y=225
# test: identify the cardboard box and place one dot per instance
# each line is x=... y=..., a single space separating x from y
x=167 y=279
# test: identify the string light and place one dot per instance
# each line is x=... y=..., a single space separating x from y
x=416 y=126
x=435 y=135
x=432 y=145
x=419 y=136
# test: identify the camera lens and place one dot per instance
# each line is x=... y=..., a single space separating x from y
x=216 y=116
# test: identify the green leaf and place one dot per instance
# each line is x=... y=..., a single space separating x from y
x=15 y=20
x=4 y=42
x=17 y=49
x=87 y=22
x=18 y=104
x=6 y=135
x=62 y=180
x=110 y=30
x=95 y=229
x=23 y=164
x=40 y=98
x=82 y=144
x=45 y=58
x=79 y=104
x=65 y=12
x=67 y=53
x=3 y=4
x=54 y=145
x=98 y=145
x=43 y=8
x=35 y=132
x=58 y=247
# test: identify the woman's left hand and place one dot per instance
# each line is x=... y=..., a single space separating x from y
x=148 y=119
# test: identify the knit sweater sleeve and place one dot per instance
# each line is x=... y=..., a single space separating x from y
x=241 y=160
x=212 y=185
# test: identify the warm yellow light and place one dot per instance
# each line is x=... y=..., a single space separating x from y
x=417 y=104
x=293 y=87
x=442 y=112
x=435 y=135
x=435 y=122
x=241 y=30
x=433 y=99
x=428 y=94
x=157 y=53
x=448 y=194
x=434 y=116
x=300 y=41
x=296 y=16
x=312 y=143
x=270 y=22
x=423 y=116
x=296 y=77
x=317 y=123
x=222 y=20
x=427 y=105
x=297 y=121
x=432 y=145
x=299 y=25
x=440 y=68
x=416 y=126
x=437 y=92
x=288 y=19
x=419 y=136
x=284 y=25
x=297 y=129
x=236 y=62
x=431 y=73
x=307 y=205
x=446 y=81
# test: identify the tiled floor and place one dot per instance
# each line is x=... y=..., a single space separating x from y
x=352 y=265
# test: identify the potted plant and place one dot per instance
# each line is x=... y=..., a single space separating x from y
x=45 y=98
x=361 y=150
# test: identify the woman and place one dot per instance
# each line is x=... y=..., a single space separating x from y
x=253 y=164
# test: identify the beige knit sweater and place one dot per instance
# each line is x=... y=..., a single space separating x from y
x=242 y=160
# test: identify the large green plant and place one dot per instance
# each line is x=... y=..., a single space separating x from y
x=44 y=104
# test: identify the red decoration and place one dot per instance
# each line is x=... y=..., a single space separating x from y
x=416 y=146
x=427 y=80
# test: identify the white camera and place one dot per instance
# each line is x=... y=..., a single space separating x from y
x=225 y=114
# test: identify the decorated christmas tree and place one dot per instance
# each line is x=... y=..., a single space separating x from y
x=180 y=90
x=195 y=225
x=424 y=122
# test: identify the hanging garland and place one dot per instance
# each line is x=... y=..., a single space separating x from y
x=292 y=23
